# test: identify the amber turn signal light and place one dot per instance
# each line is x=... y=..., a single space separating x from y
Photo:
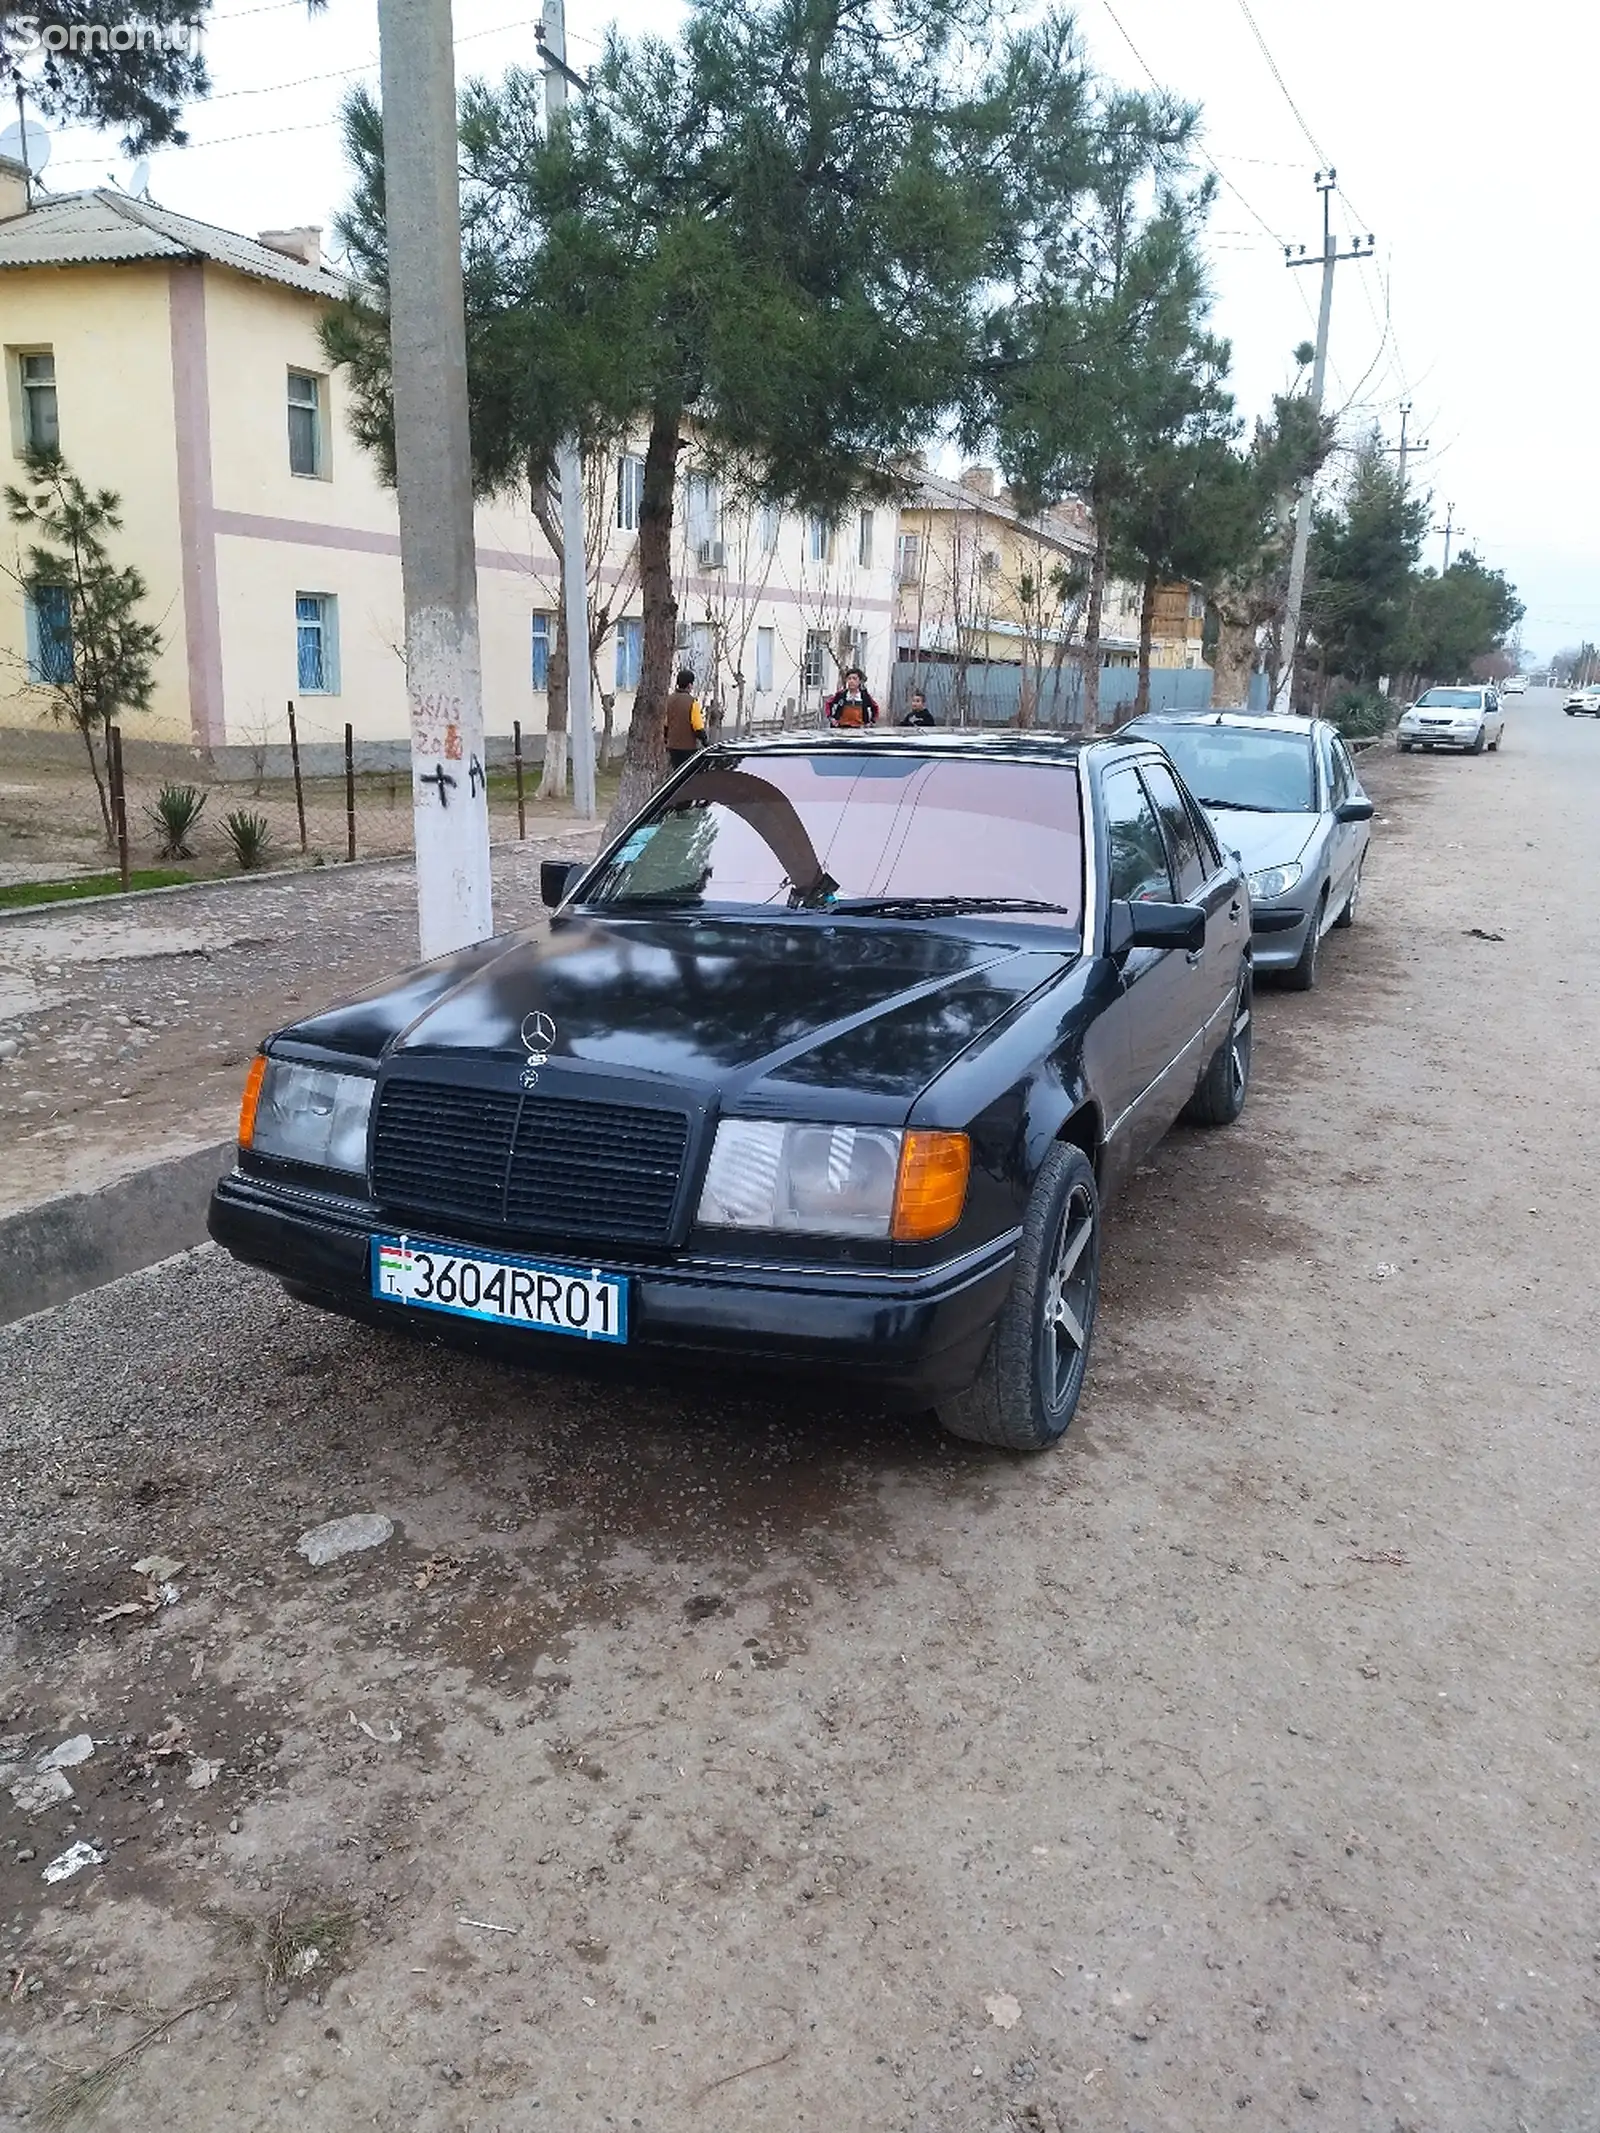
x=251 y=1097
x=932 y=1186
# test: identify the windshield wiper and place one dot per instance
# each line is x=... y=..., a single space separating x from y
x=922 y=906
x=1247 y=807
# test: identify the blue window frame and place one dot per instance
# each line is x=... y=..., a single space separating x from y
x=630 y=651
x=49 y=628
x=541 y=651
x=316 y=629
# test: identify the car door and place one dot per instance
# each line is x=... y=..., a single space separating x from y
x=1157 y=1008
x=1200 y=878
x=1351 y=838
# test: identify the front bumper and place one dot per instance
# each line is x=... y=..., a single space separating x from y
x=921 y=1334
x=1437 y=737
x=1278 y=934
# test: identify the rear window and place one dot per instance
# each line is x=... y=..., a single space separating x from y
x=814 y=832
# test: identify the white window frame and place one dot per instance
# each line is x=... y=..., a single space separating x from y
x=630 y=491
x=317 y=408
x=769 y=525
x=766 y=648
x=30 y=391
x=541 y=638
x=819 y=538
x=815 y=672
x=327 y=624
x=630 y=651
x=864 y=528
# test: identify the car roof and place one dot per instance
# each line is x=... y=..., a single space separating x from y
x=1008 y=745
x=1257 y=722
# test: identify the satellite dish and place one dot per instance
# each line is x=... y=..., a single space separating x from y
x=139 y=183
x=38 y=146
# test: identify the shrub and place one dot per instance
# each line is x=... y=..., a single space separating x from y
x=249 y=836
x=1361 y=713
x=175 y=814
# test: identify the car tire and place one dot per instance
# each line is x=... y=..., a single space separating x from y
x=1480 y=743
x=1303 y=977
x=1347 y=917
x=1404 y=747
x=1028 y=1386
x=1226 y=1081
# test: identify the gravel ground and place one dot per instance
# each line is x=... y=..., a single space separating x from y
x=132 y=1022
x=1231 y=1766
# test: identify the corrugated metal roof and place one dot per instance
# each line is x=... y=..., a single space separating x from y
x=82 y=228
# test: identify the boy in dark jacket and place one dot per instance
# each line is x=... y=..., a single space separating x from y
x=852 y=706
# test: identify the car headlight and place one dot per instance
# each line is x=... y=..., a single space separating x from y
x=1273 y=881
x=306 y=1114
x=835 y=1181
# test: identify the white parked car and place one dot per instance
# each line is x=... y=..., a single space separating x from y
x=1514 y=685
x=1583 y=703
x=1468 y=718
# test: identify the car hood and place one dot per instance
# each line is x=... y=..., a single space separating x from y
x=1264 y=840
x=761 y=1013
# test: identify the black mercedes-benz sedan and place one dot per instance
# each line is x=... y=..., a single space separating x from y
x=831 y=1059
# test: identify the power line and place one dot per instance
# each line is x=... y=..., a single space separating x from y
x=1266 y=53
x=1200 y=149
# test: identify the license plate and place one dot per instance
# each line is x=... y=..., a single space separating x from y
x=500 y=1291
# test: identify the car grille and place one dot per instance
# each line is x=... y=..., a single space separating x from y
x=549 y=1165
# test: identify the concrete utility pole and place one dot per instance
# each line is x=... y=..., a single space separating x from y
x=1449 y=529
x=1326 y=181
x=569 y=477
x=1407 y=449
x=433 y=462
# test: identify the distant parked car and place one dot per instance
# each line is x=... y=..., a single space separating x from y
x=1583 y=703
x=1467 y=718
x=1284 y=794
x=1514 y=685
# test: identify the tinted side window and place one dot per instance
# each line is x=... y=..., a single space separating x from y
x=1138 y=855
x=1338 y=769
x=1345 y=769
x=1188 y=867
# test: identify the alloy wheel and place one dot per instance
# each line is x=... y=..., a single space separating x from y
x=1069 y=1301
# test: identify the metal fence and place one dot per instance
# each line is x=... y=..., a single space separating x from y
x=991 y=695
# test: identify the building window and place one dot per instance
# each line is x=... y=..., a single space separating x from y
x=316 y=629
x=767 y=524
x=630 y=492
x=764 y=644
x=864 y=541
x=306 y=452
x=908 y=558
x=853 y=647
x=41 y=427
x=819 y=539
x=630 y=651
x=49 y=630
x=1197 y=604
x=818 y=664
x=541 y=651
x=702 y=515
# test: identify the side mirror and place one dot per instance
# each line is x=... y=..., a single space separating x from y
x=556 y=877
x=1353 y=811
x=1154 y=926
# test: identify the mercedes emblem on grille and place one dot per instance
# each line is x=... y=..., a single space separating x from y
x=538 y=1040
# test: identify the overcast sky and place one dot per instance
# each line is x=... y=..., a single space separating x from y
x=1461 y=143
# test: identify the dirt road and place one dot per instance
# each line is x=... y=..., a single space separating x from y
x=698 y=1757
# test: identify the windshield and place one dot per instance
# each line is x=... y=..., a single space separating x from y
x=1239 y=766
x=1448 y=700
x=829 y=831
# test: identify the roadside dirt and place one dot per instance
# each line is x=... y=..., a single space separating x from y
x=713 y=1756
x=133 y=1022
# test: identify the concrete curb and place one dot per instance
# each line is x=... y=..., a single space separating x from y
x=16 y=914
x=85 y=1239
